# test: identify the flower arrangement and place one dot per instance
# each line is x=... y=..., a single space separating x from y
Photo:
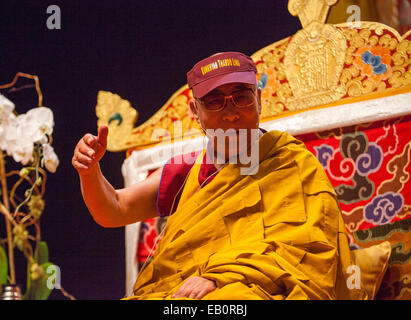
x=26 y=138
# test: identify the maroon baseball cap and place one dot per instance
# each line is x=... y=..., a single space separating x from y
x=219 y=69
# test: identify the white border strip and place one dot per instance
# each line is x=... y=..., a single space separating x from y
x=343 y=115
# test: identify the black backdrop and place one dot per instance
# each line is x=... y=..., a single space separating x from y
x=139 y=49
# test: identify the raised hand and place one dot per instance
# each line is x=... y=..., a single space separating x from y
x=89 y=151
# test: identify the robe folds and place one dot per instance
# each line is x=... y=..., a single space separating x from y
x=277 y=234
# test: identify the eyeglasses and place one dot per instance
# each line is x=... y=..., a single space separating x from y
x=216 y=102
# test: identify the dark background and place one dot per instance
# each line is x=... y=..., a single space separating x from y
x=139 y=49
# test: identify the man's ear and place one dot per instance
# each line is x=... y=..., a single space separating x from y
x=193 y=108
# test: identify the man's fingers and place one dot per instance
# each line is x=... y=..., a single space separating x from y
x=83 y=159
x=102 y=135
x=195 y=288
x=86 y=150
x=184 y=291
x=194 y=294
x=203 y=292
x=90 y=140
x=79 y=166
x=179 y=293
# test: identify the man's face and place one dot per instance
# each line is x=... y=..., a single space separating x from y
x=231 y=116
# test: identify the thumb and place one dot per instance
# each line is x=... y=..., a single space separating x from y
x=102 y=136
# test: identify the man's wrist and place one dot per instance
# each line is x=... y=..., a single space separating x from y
x=91 y=173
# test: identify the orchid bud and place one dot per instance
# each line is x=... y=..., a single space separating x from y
x=24 y=172
x=39 y=181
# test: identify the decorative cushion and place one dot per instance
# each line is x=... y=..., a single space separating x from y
x=372 y=263
x=361 y=276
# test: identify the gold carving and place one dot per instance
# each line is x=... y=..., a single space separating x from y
x=310 y=10
x=118 y=114
x=314 y=61
x=383 y=43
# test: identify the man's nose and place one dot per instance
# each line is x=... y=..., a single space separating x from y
x=230 y=112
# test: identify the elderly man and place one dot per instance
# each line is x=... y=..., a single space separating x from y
x=273 y=231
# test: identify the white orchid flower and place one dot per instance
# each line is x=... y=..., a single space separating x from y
x=18 y=142
x=22 y=151
x=50 y=159
x=6 y=116
x=6 y=125
x=18 y=134
x=6 y=107
x=10 y=135
x=39 y=123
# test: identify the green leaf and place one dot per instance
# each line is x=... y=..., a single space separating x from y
x=28 y=282
x=42 y=253
x=34 y=289
x=40 y=288
x=3 y=266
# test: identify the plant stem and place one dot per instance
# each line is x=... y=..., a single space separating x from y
x=30 y=191
x=8 y=225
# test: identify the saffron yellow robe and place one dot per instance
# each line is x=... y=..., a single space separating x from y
x=277 y=234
